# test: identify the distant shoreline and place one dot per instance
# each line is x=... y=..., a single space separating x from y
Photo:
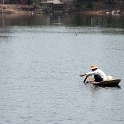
x=16 y=9
x=29 y=9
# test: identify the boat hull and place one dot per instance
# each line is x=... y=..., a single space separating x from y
x=113 y=82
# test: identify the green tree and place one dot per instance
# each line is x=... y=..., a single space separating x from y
x=34 y=2
x=110 y=1
x=89 y=5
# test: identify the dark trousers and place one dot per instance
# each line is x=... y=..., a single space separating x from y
x=98 y=78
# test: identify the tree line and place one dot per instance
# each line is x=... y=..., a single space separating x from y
x=36 y=2
x=109 y=1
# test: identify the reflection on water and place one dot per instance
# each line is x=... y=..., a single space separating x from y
x=66 y=20
x=96 y=87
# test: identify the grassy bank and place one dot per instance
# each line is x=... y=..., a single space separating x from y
x=19 y=9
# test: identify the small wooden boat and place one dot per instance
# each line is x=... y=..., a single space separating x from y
x=112 y=82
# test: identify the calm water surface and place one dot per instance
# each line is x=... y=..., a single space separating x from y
x=41 y=58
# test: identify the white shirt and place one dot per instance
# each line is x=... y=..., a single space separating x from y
x=98 y=72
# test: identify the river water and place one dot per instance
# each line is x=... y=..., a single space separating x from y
x=41 y=58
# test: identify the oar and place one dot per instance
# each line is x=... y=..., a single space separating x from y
x=85 y=79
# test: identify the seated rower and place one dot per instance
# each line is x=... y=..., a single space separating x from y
x=99 y=75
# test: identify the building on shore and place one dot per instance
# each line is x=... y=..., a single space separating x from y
x=52 y=6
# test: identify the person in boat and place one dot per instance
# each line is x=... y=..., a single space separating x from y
x=99 y=75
